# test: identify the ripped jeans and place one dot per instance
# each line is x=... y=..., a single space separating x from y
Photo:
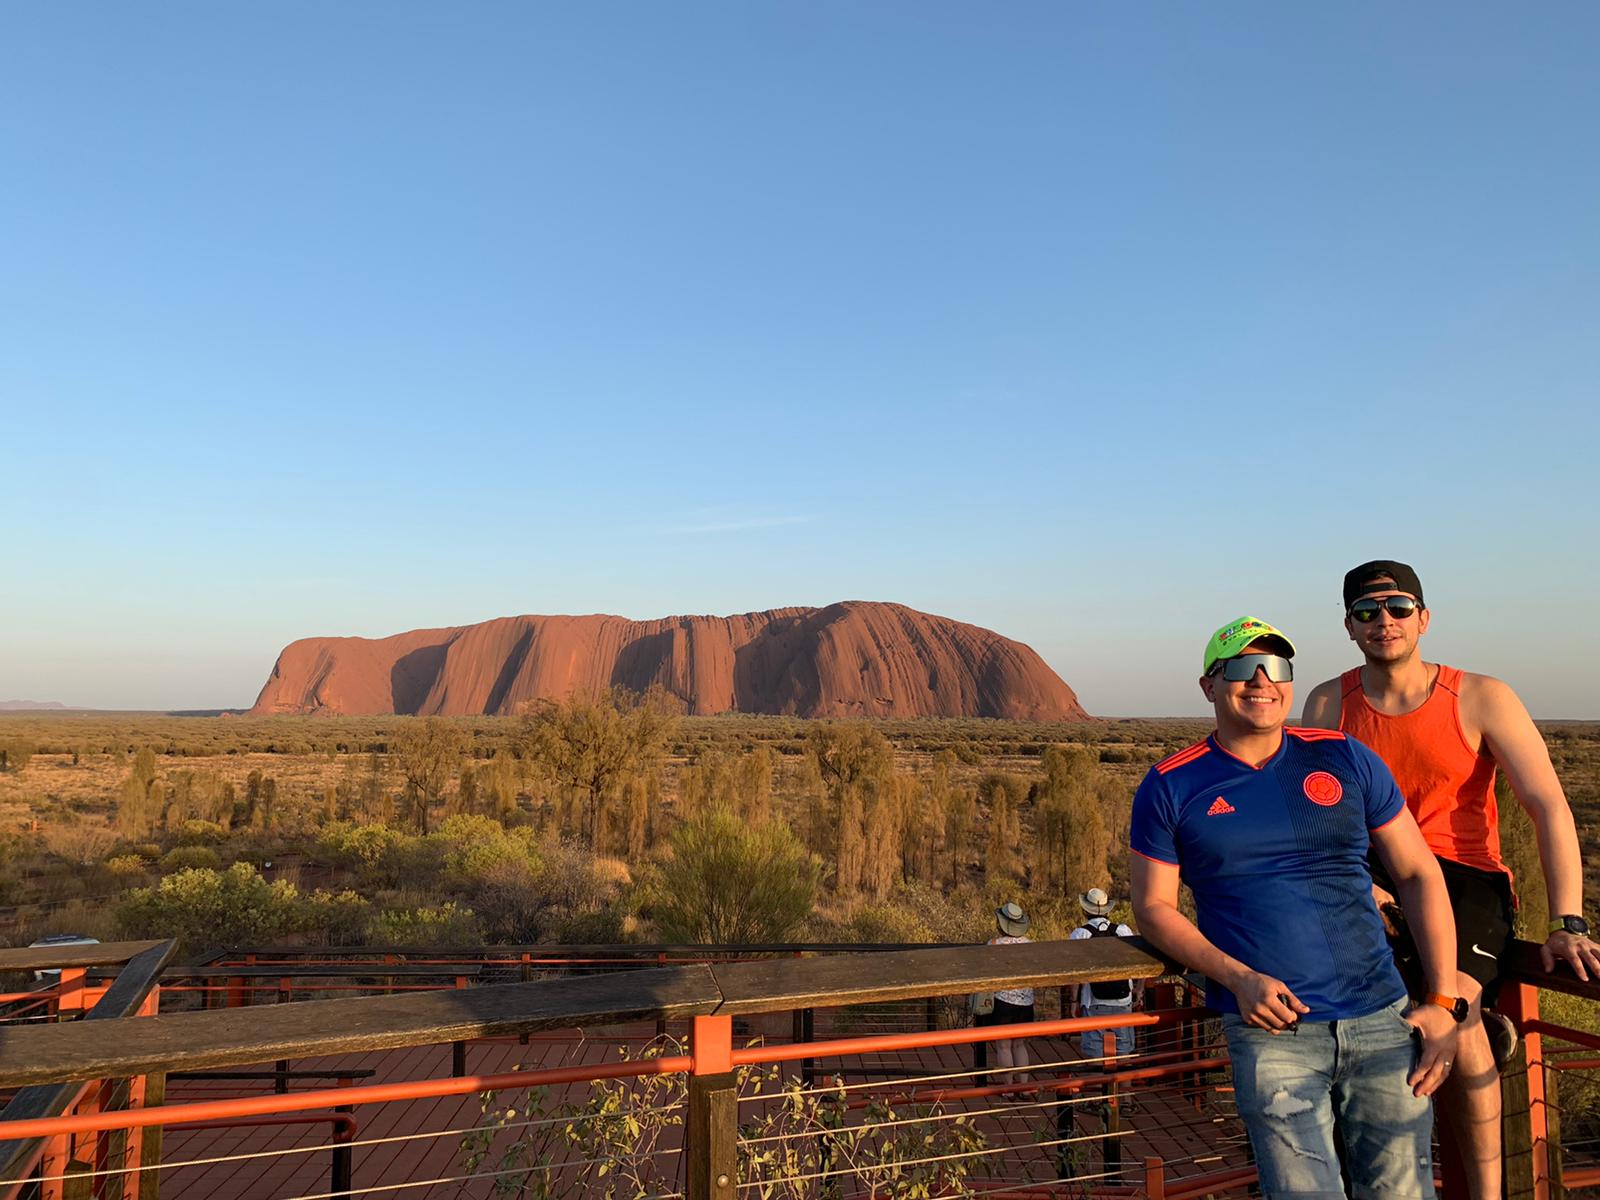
x=1346 y=1080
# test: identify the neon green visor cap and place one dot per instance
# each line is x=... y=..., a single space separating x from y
x=1232 y=638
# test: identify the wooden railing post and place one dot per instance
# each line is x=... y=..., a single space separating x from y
x=1155 y=1179
x=148 y=1178
x=1525 y=1122
x=712 y=1134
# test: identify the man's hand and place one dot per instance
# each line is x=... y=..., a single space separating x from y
x=1266 y=1002
x=1439 y=1033
x=1582 y=955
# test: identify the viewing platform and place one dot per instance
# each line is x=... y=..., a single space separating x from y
x=696 y=1072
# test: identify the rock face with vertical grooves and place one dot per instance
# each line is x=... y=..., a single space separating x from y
x=852 y=659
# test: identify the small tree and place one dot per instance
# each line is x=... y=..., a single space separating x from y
x=427 y=751
x=852 y=764
x=82 y=843
x=591 y=746
x=726 y=883
x=15 y=754
x=139 y=798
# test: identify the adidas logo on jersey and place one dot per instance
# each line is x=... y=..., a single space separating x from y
x=1218 y=807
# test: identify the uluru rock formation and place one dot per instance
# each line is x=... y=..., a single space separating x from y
x=853 y=659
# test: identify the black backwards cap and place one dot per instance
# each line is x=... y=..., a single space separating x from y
x=1375 y=576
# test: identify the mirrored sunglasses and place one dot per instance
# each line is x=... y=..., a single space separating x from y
x=1243 y=668
x=1400 y=607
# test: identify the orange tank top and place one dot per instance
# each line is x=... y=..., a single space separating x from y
x=1448 y=788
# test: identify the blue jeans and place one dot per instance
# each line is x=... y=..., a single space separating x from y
x=1292 y=1087
x=1091 y=1043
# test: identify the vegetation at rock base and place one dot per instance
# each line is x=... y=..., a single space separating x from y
x=566 y=821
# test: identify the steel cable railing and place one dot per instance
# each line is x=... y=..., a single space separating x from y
x=1040 y=1146
x=881 y=1059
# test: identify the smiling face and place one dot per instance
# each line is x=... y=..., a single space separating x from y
x=1255 y=706
x=1386 y=639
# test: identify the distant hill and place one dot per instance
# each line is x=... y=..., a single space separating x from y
x=852 y=659
x=29 y=705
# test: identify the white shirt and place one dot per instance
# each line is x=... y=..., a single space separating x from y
x=1018 y=996
x=1085 y=996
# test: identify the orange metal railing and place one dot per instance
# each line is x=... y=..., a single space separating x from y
x=84 y=1141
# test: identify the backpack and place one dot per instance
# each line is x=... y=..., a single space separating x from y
x=1107 y=989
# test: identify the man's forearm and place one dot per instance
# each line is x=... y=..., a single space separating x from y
x=1560 y=858
x=1174 y=934
x=1433 y=927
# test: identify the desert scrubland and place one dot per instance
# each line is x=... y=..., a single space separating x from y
x=578 y=821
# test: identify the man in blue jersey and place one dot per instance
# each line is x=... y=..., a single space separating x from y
x=1269 y=827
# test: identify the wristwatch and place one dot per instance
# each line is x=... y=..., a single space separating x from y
x=1456 y=1006
x=1570 y=924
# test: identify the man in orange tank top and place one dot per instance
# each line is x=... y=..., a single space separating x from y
x=1443 y=732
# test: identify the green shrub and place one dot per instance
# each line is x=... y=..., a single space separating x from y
x=447 y=925
x=728 y=883
x=471 y=847
x=334 y=918
x=183 y=858
x=382 y=856
x=880 y=924
x=205 y=908
x=126 y=866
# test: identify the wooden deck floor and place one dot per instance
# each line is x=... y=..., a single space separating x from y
x=414 y=1149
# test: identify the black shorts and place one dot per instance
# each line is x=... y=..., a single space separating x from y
x=1482 y=903
x=1005 y=1013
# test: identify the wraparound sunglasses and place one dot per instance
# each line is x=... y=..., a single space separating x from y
x=1243 y=668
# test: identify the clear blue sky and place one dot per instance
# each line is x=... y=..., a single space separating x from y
x=1097 y=325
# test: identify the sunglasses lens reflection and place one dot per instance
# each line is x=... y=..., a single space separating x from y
x=1400 y=607
x=1244 y=667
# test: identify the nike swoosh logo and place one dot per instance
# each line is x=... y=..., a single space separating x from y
x=1485 y=953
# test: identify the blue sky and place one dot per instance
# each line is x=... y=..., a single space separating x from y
x=1095 y=325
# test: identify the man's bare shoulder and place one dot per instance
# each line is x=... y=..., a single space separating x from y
x=1485 y=688
x=1322 y=705
x=1486 y=698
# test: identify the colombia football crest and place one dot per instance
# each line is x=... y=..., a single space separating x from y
x=1323 y=788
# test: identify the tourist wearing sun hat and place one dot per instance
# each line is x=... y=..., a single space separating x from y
x=1012 y=1006
x=1114 y=997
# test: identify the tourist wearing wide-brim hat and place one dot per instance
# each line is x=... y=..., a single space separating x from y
x=1105 y=997
x=1095 y=902
x=1010 y=1006
x=1012 y=920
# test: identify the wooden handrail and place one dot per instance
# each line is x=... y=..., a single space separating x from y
x=328 y=971
x=125 y=996
x=1521 y=964
x=236 y=1037
x=511 y=953
x=101 y=954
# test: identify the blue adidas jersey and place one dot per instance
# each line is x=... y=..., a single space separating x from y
x=1276 y=857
